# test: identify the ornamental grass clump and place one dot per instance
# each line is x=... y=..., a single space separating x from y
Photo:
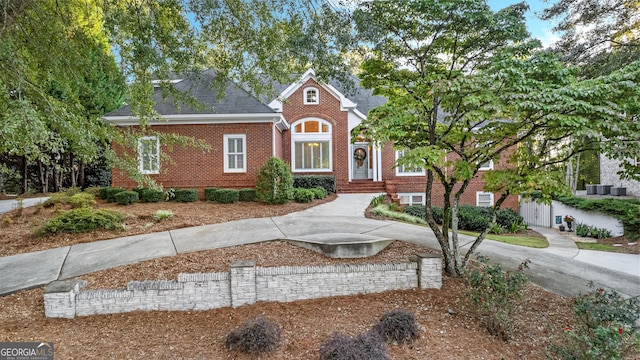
x=83 y=220
x=162 y=215
x=344 y=347
x=493 y=295
x=254 y=336
x=397 y=326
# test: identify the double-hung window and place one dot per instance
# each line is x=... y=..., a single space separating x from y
x=484 y=198
x=311 y=96
x=149 y=155
x=311 y=145
x=235 y=153
x=406 y=170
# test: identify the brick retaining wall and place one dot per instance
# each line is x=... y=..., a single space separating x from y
x=244 y=284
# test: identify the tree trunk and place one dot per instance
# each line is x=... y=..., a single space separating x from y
x=81 y=169
x=24 y=185
x=74 y=171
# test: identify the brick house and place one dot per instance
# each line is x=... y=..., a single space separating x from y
x=309 y=125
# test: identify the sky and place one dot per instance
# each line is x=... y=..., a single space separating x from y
x=539 y=29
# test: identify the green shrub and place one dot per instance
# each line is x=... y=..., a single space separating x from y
x=72 y=191
x=83 y=220
x=255 y=336
x=606 y=328
x=473 y=218
x=227 y=196
x=82 y=200
x=415 y=210
x=152 y=195
x=493 y=292
x=210 y=193
x=275 y=182
x=378 y=200
x=327 y=182
x=320 y=192
x=364 y=346
x=111 y=193
x=94 y=190
x=248 y=194
x=102 y=192
x=162 y=215
x=170 y=194
x=139 y=190
x=383 y=210
x=55 y=199
x=126 y=197
x=303 y=195
x=397 y=326
x=186 y=195
x=625 y=210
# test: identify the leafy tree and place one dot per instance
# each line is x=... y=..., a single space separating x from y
x=466 y=87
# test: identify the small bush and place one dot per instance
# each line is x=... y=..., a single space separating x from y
x=344 y=347
x=162 y=215
x=493 y=292
x=227 y=196
x=111 y=193
x=319 y=192
x=57 y=198
x=83 y=199
x=72 y=191
x=248 y=194
x=170 y=194
x=255 y=336
x=606 y=328
x=102 y=192
x=152 y=195
x=186 y=195
x=126 y=197
x=210 y=193
x=139 y=190
x=94 y=190
x=378 y=200
x=415 y=210
x=397 y=326
x=303 y=195
x=327 y=182
x=83 y=220
x=275 y=182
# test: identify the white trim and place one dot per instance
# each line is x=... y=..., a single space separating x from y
x=406 y=173
x=195 y=119
x=309 y=137
x=157 y=155
x=480 y=193
x=305 y=99
x=486 y=168
x=410 y=198
x=226 y=138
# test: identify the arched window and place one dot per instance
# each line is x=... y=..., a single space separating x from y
x=311 y=96
x=311 y=145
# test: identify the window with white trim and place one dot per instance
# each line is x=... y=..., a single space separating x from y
x=149 y=155
x=486 y=166
x=411 y=198
x=311 y=145
x=484 y=198
x=404 y=170
x=235 y=153
x=311 y=96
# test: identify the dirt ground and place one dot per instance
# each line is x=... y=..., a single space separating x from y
x=448 y=329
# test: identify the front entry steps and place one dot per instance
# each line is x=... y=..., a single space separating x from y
x=363 y=186
x=342 y=245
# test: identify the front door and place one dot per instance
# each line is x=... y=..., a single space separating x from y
x=360 y=161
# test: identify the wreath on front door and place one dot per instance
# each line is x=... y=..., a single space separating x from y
x=359 y=154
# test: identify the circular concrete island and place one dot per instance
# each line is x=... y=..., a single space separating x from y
x=342 y=245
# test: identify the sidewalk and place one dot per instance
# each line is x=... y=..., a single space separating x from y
x=561 y=268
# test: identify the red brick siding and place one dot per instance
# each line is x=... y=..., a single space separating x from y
x=193 y=168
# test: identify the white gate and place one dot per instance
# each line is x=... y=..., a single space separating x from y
x=535 y=213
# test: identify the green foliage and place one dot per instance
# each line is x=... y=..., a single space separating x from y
x=255 y=336
x=303 y=195
x=625 y=210
x=162 y=215
x=328 y=182
x=364 y=346
x=186 y=195
x=397 y=326
x=170 y=194
x=384 y=210
x=584 y=230
x=93 y=190
x=319 y=192
x=210 y=193
x=110 y=193
x=139 y=190
x=103 y=192
x=378 y=200
x=152 y=195
x=493 y=293
x=606 y=328
x=126 y=197
x=248 y=194
x=275 y=182
x=83 y=220
x=82 y=200
x=496 y=229
x=475 y=218
x=227 y=196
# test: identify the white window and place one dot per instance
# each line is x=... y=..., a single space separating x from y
x=484 y=198
x=149 y=155
x=404 y=170
x=311 y=96
x=311 y=145
x=411 y=198
x=235 y=153
x=486 y=166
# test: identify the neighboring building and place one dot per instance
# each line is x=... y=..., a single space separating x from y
x=608 y=175
x=309 y=125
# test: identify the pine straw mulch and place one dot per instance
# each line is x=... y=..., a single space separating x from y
x=305 y=324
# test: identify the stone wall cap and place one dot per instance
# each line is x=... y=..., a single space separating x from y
x=428 y=256
x=64 y=286
x=243 y=263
